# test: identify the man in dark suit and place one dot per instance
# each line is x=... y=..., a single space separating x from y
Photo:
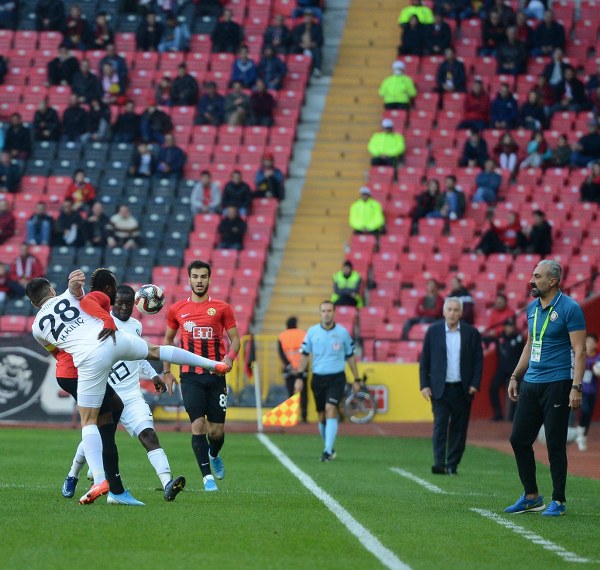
x=450 y=375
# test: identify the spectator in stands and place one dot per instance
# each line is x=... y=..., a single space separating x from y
x=171 y=159
x=86 y=84
x=46 y=124
x=539 y=235
x=262 y=105
x=545 y=93
x=81 y=192
x=504 y=109
x=76 y=33
x=366 y=214
x=438 y=36
x=7 y=221
x=237 y=105
x=237 y=193
x=590 y=189
x=26 y=266
x=98 y=121
x=493 y=34
x=457 y=289
x=507 y=14
x=593 y=81
x=451 y=8
x=548 y=36
x=413 y=38
x=538 y=152
x=206 y=195
x=506 y=151
x=209 y=8
x=8 y=14
x=49 y=15
x=243 y=69
x=531 y=113
x=3 y=68
x=123 y=229
x=39 y=226
x=587 y=148
x=570 y=93
x=96 y=226
x=175 y=37
x=475 y=151
x=535 y=9
x=127 y=126
x=313 y=5
x=279 y=36
x=75 y=121
x=63 y=67
x=102 y=35
x=386 y=147
x=346 y=287
x=308 y=38
x=524 y=30
x=477 y=108
x=269 y=181
x=554 y=72
x=496 y=315
x=149 y=33
x=113 y=88
x=155 y=124
x=271 y=69
x=184 y=89
x=431 y=200
x=10 y=174
x=451 y=76
x=232 y=229
x=8 y=288
x=511 y=54
x=144 y=163
x=417 y=8
x=162 y=93
x=118 y=64
x=429 y=309
x=397 y=90
x=488 y=184
x=227 y=35
x=17 y=139
x=595 y=102
x=68 y=227
x=503 y=238
x=561 y=155
x=211 y=108
x=454 y=200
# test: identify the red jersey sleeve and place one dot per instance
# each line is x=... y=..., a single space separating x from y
x=97 y=304
x=172 y=317
x=228 y=318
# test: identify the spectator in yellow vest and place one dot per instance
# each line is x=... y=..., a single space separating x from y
x=346 y=287
x=366 y=214
x=397 y=90
x=386 y=147
x=422 y=12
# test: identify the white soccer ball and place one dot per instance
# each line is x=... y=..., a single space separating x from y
x=596 y=368
x=149 y=299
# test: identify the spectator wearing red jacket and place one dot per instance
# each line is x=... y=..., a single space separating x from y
x=7 y=222
x=506 y=238
x=24 y=268
x=429 y=309
x=81 y=192
x=477 y=108
x=496 y=315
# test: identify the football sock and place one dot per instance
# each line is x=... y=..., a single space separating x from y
x=215 y=445
x=200 y=447
x=322 y=429
x=331 y=427
x=159 y=461
x=110 y=457
x=180 y=356
x=78 y=462
x=92 y=447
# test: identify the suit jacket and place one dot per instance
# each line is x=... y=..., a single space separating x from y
x=433 y=363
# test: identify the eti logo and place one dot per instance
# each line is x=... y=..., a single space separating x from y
x=202 y=333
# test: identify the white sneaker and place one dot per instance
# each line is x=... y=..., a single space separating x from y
x=581 y=442
x=572 y=434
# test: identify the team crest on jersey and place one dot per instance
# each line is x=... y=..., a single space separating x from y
x=212 y=311
x=554 y=316
x=189 y=326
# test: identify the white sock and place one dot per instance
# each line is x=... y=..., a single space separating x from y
x=92 y=448
x=78 y=461
x=208 y=478
x=159 y=461
x=180 y=356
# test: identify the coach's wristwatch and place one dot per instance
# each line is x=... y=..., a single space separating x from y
x=578 y=387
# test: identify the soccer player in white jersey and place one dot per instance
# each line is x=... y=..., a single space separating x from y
x=84 y=328
x=136 y=416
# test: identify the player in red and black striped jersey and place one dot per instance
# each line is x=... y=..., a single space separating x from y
x=202 y=322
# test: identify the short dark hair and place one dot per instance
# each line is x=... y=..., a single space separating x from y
x=327 y=302
x=292 y=323
x=348 y=263
x=37 y=289
x=125 y=291
x=198 y=264
x=102 y=278
x=205 y=173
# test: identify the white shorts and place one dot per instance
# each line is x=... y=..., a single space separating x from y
x=93 y=371
x=136 y=416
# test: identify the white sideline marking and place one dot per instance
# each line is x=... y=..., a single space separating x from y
x=371 y=543
x=429 y=486
x=533 y=537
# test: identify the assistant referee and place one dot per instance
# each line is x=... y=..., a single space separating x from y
x=331 y=346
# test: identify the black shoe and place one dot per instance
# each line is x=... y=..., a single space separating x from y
x=438 y=470
x=173 y=488
x=326 y=457
x=451 y=471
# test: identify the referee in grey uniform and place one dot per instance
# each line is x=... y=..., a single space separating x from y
x=331 y=346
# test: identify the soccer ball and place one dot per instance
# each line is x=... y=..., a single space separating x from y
x=149 y=299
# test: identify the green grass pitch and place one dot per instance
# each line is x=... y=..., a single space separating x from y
x=264 y=518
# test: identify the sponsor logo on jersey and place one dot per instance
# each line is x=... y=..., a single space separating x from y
x=184 y=315
x=189 y=326
x=212 y=311
x=202 y=333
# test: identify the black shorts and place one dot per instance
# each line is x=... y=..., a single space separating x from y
x=70 y=385
x=328 y=389
x=204 y=395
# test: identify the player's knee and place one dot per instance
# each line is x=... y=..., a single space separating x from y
x=149 y=439
x=215 y=432
x=105 y=419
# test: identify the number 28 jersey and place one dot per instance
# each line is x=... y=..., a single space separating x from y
x=201 y=327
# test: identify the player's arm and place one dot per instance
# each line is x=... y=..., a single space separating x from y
x=521 y=368
x=168 y=378
x=234 y=347
x=357 y=384
x=76 y=283
x=97 y=305
x=578 y=345
x=301 y=374
x=147 y=370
